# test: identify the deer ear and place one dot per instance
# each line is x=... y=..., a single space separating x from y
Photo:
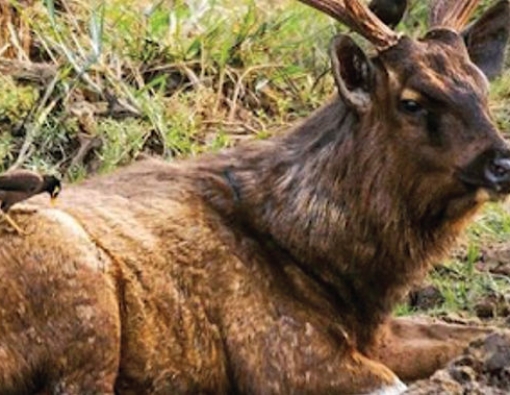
x=353 y=71
x=486 y=39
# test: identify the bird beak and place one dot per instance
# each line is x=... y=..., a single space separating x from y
x=54 y=195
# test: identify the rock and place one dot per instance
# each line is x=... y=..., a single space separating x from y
x=484 y=368
x=492 y=306
x=425 y=298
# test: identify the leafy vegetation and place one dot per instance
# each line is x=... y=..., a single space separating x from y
x=190 y=75
x=88 y=86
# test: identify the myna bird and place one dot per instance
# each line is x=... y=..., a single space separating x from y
x=389 y=11
x=19 y=185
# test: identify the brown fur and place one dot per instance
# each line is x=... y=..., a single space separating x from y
x=269 y=268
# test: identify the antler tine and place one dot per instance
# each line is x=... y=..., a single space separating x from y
x=453 y=14
x=359 y=18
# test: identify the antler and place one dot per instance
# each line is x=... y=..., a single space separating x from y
x=453 y=14
x=359 y=18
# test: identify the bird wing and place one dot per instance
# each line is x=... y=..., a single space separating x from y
x=20 y=180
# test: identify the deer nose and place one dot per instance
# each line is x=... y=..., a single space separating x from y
x=497 y=172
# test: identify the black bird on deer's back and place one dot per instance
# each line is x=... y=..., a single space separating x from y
x=389 y=11
x=19 y=185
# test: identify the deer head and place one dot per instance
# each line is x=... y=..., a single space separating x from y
x=427 y=99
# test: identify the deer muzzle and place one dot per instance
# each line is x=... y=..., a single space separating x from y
x=497 y=172
x=490 y=170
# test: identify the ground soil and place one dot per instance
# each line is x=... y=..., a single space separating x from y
x=484 y=368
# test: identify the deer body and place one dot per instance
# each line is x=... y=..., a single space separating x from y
x=271 y=268
x=161 y=316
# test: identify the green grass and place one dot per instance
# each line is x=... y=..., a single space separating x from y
x=182 y=70
x=176 y=78
x=458 y=279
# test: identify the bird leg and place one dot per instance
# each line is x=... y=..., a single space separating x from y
x=11 y=222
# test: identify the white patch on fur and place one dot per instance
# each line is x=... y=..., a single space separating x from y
x=411 y=94
x=396 y=389
x=89 y=253
x=67 y=221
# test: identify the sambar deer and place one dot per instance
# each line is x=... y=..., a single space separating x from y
x=272 y=267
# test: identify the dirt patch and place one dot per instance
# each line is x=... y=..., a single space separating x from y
x=495 y=259
x=425 y=297
x=493 y=306
x=484 y=368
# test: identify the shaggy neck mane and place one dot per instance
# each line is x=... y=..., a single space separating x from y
x=325 y=193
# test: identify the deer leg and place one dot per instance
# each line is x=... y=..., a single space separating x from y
x=311 y=364
x=416 y=348
x=60 y=331
x=367 y=371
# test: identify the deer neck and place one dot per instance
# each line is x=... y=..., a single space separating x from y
x=323 y=195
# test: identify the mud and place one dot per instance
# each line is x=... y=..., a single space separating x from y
x=484 y=368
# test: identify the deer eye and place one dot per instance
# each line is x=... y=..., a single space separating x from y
x=411 y=107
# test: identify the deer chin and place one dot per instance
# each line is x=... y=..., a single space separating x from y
x=463 y=207
x=461 y=210
x=484 y=195
x=482 y=189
